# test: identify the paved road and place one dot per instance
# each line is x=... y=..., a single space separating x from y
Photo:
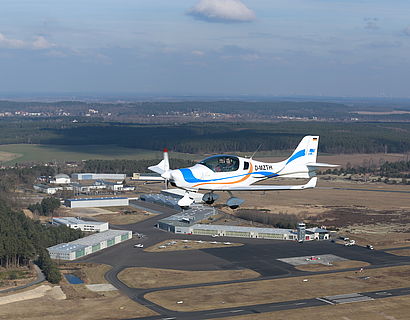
x=256 y=254
x=40 y=278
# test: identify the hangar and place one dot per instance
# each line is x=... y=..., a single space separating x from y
x=244 y=232
x=98 y=176
x=182 y=222
x=96 y=202
x=188 y=222
x=87 y=245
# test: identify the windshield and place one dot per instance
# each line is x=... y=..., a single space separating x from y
x=221 y=163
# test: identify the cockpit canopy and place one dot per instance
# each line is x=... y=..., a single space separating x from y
x=221 y=163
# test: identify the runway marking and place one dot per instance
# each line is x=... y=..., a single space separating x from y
x=384 y=293
x=347 y=298
x=324 y=300
x=231 y=311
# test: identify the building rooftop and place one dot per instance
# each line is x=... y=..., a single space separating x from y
x=72 y=220
x=61 y=175
x=94 y=199
x=191 y=216
x=87 y=241
x=243 y=229
x=98 y=237
x=66 y=247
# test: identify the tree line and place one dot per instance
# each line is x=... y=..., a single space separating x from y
x=280 y=220
x=129 y=166
x=399 y=169
x=23 y=240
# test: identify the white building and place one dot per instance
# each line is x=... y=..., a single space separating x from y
x=75 y=223
x=98 y=176
x=87 y=245
x=61 y=179
x=114 y=186
x=46 y=189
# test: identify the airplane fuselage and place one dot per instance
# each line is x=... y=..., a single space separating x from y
x=218 y=172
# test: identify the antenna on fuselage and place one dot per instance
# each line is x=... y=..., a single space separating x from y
x=256 y=151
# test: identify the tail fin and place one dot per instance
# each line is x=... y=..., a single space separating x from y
x=296 y=164
x=305 y=152
x=163 y=166
x=302 y=163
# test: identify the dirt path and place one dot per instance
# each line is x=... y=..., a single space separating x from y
x=39 y=292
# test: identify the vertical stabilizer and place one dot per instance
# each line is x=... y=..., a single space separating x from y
x=306 y=152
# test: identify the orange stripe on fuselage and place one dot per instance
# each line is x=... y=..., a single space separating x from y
x=240 y=180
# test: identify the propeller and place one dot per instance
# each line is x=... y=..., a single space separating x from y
x=167 y=172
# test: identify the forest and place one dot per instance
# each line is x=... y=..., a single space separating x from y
x=23 y=240
x=213 y=137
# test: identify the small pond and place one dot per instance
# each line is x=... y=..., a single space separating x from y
x=73 y=279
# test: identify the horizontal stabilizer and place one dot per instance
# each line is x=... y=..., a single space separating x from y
x=149 y=178
x=311 y=184
x=159 y=168
x=322 y=165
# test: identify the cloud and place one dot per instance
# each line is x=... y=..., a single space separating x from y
x=39 y=42
x=222 y=11
x=42 y=43
x=406 y=31
x=371 y=23
x=10 y=43
x=197 y=52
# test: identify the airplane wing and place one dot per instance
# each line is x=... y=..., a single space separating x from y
x=311 y=184
x=321 y=165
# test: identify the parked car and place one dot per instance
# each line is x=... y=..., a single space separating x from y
x=350 y=243
x=138 y=245
x=370 y=247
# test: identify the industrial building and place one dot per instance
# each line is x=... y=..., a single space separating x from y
x=87 y=245
x=161 y=199
x=98 y=176
x=170 y=197
x=243 y=232
x=96 y=202
x=188 y=222
x=182 y=222
x=76 y=223
x=179 y=194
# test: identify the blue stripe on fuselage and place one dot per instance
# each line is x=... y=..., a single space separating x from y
x=190 y=178
x=298 y=154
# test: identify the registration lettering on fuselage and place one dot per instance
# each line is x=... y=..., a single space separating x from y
x=259 y=167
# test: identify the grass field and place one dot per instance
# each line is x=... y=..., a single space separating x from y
x=154 y=278
x=12 y=153
x=277 y=290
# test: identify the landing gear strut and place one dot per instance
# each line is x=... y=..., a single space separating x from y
x=234 y=202
x=210 y=197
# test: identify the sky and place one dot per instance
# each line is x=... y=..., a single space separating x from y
x=339 y=48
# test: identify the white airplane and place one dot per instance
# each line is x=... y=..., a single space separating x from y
x=232 y=173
